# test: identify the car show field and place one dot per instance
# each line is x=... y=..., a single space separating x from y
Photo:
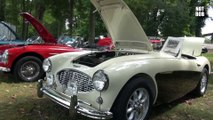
x=19 y=101
x=131 y=72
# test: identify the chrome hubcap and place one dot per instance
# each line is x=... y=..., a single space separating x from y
x=29 y=70
x=138 y=105
x=203 y=83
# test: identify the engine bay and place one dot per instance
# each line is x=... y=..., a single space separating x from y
x=96 y=58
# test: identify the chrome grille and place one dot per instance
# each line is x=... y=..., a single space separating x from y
x=84 y=82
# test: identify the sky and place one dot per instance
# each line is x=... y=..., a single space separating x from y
x=208 y=28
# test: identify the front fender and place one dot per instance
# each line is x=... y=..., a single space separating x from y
x=120 y=74
x=203 y=62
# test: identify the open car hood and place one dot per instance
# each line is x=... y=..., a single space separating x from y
x=123 y=26
x=191 y=46
x=42 y=31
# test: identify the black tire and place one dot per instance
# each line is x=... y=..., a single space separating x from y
x=201 y=88
x=28 y=69
x=122 y=103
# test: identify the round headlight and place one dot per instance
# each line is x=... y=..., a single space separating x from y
x=47 y=65
x=4 y=57
x=100 y=80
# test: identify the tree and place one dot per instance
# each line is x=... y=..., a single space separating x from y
x=2 y=10
x=71 y=15
x=55 y=16
x=176 y=20
x=91 y=25
x=157 y=17
x=40 y=7
x=149 y=13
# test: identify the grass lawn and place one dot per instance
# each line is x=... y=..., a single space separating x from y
x=18 y=101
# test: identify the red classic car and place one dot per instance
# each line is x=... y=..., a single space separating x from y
x=106 y=42
x=25 y=60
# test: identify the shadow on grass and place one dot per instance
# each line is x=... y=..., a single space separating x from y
x=8 y=78
x=163 y=108
x=33 y=108
x=26 y=108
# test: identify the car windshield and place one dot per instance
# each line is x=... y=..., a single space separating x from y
x=35 y=40
x=75 y=42
x=65 y=39
x=172 y=46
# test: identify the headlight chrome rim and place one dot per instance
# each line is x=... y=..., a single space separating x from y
x=47 y=65
x=100 y=82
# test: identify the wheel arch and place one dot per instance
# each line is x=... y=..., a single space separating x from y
x=149 y=82
x=207 y=67
x=25 y=55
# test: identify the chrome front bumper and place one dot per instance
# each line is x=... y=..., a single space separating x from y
x=72 y=103
x=5 y=69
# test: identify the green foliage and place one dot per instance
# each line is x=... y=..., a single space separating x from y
x=158 y=17
x=176 y=20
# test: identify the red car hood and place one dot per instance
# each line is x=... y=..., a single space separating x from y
x=105 y=42
x=155 y=41
x=50 y=46
x=38 y=47
x=42 y=31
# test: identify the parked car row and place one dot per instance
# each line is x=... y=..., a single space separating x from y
x=156 y=42
x=24 y=58
x=122 y=83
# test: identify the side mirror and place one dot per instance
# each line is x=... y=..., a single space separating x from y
x=204 y=50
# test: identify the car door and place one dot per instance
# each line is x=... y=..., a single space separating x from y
x=181 y=76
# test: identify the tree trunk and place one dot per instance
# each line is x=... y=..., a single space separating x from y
x=2 y=7
x=23 y=21
x=71 y=14
x=39 y=9
x=92 y=21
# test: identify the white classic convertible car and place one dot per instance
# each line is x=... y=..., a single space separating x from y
x=125 y=83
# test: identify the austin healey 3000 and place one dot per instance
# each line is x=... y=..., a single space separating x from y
x=126 y=82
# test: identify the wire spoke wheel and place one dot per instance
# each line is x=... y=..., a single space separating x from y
x=29 y=70
x=203 y=83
